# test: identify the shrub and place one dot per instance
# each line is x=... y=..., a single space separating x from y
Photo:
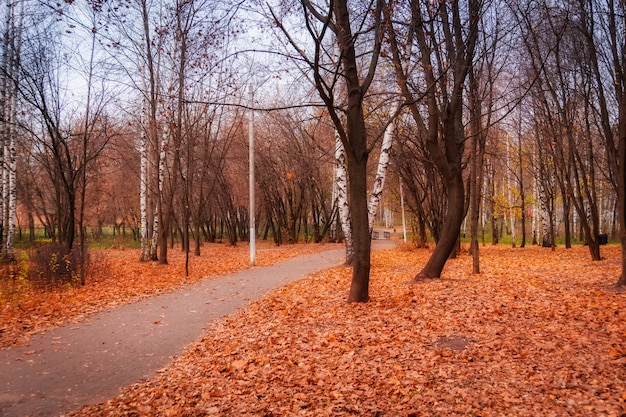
x=54 y=264
x=14 y=281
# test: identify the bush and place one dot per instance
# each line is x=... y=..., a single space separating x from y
x=54 y=264
x=14 y=281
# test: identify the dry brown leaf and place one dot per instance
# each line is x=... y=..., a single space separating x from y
x=127 y=280
x=538 y=333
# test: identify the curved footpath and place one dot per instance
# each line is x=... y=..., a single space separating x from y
x=79 y=364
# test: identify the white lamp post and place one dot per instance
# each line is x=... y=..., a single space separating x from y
x=403 y=217
x=251 y=169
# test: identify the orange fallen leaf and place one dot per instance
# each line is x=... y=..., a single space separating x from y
x=529 y=336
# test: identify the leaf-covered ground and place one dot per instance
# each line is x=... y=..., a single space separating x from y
x=119 y=278
x=539 y=333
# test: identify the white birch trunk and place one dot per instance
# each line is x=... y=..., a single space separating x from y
x=403 y=215
x=4 y=112
x=11 y=167
x=510 y=191
x=162 y=148
x=6 y=134
x=341 y=176
x=5 y=179
x=12 y=49
x=4 y=204
x=143 y=187
x=483 y=206
x=381 y=172
x=545 y=217
x=333 y=226
x=536 y=213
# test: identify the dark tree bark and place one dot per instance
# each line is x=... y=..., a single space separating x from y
x=477 y=154
x=356 y=79
x=355 y=143
x=564 y=96
x=613 y=46
x=443 y=39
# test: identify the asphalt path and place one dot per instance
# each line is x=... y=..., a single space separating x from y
x=75 y=365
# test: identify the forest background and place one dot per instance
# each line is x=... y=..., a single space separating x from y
x=490 y=120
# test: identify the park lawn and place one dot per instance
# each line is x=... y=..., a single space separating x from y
x=117 y=277
x=537 y=333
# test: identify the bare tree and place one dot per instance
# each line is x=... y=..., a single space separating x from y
x=347 y=27
x=67 y=136
x=603 y=26
x=9 y=79
x=444 y=35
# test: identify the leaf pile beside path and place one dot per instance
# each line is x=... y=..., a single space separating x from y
x=538 y=333
x=119 y=278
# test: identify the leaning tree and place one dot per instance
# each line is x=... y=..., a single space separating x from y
x=439 y=41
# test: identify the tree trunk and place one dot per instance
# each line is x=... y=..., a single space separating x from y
x=621 y=181
x=165 y=209
x=383 y=163
x=143 y=183
x=120 y=238
x=566 y=221
x=10 y=159
x=423 y=238
x=522 y=193
x=477 y=155
x=341 y=184
x=198 y=242
x=154 y=244
x=474 y=208
x=31 y=228
x=450 y=230
x=359 y=287
x=443 y=129
x=355 y=144
x=510 y=197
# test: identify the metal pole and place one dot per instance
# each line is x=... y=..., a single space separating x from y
x=251 y=185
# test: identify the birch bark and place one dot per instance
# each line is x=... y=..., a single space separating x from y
x=152 y=183
x=536 y=219
x=5 y=132
x=510 y=191
x=341 y=178
x=159 y=209
x=143 y=183
x=4 y=206
x=11 y=167
x=12 y=44
x=381 y=172
x=547 y=240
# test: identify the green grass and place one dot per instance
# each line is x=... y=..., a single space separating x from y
x=106 y=240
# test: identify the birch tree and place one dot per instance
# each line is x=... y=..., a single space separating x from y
x=143 y=182
x=68 y=135
x=509 y=191
x=349 y=25
x=9 y=79
x=341 y=193
x=134 y=40
x=383 y=164
x=545 y=192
